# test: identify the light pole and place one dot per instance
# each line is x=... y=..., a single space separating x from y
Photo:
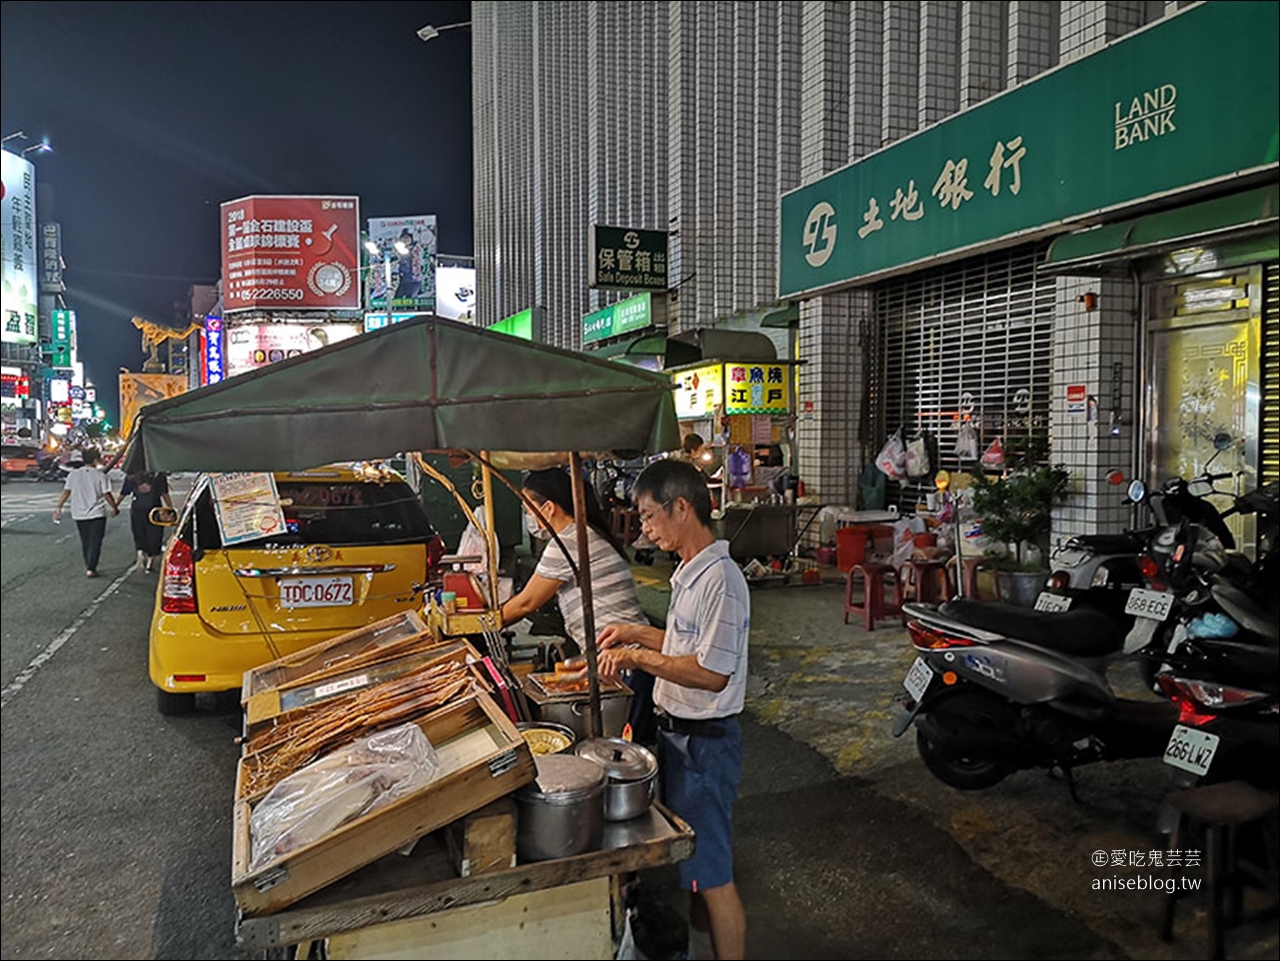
x=385 y=249
x=430 y=33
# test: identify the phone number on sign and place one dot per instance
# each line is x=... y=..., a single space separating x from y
x=323 y=592
x=268 y=293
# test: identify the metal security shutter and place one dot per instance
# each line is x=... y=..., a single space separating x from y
x=972 y=340
x=1269 y=449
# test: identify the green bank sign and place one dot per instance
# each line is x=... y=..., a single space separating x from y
x=517 y=325
x=1189 y=101
x=634 y=313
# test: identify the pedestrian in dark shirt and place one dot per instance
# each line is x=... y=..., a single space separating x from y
x=149 y=490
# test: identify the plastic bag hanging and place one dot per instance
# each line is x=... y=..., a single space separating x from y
x=892 y=459
x=917 y=458
x=966 y=442
x=993 y=456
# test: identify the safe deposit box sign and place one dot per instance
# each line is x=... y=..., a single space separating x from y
x=627 y=259
x=291 y=252
x=1189 y=101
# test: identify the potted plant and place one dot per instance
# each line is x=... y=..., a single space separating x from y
x=1017 y=508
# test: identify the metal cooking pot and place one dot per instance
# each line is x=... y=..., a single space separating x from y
x=562 y=810
x=632 y=771
x=543 y=734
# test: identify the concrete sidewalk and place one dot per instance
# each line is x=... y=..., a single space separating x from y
x=847 y=847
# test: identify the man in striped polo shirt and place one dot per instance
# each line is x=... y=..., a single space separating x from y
x=700 y=662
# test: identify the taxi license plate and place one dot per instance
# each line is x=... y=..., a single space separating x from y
x=1150 y=604
x=1191 y=750
x=1053 y=603
x=316 y=592
x=917 y=679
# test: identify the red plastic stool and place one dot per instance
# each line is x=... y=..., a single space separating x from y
x=874 y=604
x=971 y=567
x=922 y=581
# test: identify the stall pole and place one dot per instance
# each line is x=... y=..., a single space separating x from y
x=491 y=534
x=584 y=582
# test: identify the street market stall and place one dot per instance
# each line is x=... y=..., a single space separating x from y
x=423 y=385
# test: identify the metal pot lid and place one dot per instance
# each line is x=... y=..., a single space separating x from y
x=622 y=760
x=563 y=777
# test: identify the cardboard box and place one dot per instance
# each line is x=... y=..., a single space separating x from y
x=482 y=758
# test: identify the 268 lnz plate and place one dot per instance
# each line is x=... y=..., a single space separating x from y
x=1191 y=750
x=917 y=679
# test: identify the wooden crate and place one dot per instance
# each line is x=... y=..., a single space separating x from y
x=273 y=704
x=484 y=841
x=482 y=757
x=398 y=634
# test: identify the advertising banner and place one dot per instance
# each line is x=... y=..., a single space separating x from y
x=1148 y=115
x=251 y=346
x=412 y=274
x=51 y=259
x=62 y=325
x=456 y=293
x=213 y=346
x=634 y=313
x=378 y=321
x=286 y=253
x=18 y=235
x=627 y=259
x=139 y=390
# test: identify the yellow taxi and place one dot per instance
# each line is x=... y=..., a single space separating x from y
x=302 y=557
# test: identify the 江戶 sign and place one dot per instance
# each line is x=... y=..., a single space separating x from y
x=291 y=252
x=628 y=259
x=1154 y=113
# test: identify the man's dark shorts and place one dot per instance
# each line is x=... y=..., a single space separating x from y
x=700 y=784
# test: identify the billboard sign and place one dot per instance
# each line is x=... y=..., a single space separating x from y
x=456 y=293
x=624 y=317
x=624 y=258
x=378 y=321
x=291 y=253
x=62 y=325
x=251 y=346
x=18 y=236
x=412 y=275
x=51 y=259
x=214 y=345
x=139 y=390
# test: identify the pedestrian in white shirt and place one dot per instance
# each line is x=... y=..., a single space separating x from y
x=89 y=489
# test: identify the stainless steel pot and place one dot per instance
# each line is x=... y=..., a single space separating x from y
x=632 y=771
x=576 y=714
x=561 y=813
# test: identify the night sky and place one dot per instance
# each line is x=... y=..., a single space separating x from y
x=159 y=112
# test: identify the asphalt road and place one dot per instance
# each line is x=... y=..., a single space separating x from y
x=116 y=821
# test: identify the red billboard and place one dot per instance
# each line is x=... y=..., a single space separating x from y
x=291 y=253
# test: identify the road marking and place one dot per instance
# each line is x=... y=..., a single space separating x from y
x=43 y=658
x=16 y=520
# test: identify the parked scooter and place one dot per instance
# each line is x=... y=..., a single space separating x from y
x=998 y=688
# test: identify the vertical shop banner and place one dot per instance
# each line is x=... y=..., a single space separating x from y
x=214 y=347
x=62 y=326
x=51 y=259
x=289 y=253
x=413 y=275
x=18 y=232
x=139 y=390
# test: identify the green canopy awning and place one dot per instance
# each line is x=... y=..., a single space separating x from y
x=1170 y=228
x=424 y=384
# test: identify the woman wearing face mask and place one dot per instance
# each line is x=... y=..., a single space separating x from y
x=613 y=591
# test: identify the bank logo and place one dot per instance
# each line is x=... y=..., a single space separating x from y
x=1147 y=116
x=820 y=234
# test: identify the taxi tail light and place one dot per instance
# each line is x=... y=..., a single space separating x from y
x=928 y=639
x=435 y=552
x=178 y=592
x=1193 y=697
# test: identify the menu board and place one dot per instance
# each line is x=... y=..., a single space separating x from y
x=248 y=506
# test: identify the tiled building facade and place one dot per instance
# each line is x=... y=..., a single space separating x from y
x=697 y=116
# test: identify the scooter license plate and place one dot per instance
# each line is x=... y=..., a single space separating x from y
x=1191 y=750
x=1155 y=605
x=1053 y=603
x=917 y=679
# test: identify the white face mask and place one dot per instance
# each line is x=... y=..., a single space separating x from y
x=531 y=524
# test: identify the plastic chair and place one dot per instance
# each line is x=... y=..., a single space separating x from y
x=874 y=604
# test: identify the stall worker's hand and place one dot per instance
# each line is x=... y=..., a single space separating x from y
x=614 y=635
x=615 y=660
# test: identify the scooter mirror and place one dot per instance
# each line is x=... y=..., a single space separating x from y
x=1137 y=491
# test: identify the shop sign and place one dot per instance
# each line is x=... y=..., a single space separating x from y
x=699 y=391
x=629 y=259
x=517 y=325
x=215 y=367
x=51 y=259
x=1077 y=398
x=624 y=317
x=376 y=321
x=1148 y=115
x=62 y=324
x=756 y=389
x=291 y=253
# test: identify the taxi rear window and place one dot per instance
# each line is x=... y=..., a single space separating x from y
x=346 y=514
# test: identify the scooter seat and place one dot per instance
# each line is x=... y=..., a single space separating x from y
x=1107 y=543
x=1078 y=633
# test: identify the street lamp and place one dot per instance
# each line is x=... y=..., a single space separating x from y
x=384 y=249
x=430 y=33
x=43 y=147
